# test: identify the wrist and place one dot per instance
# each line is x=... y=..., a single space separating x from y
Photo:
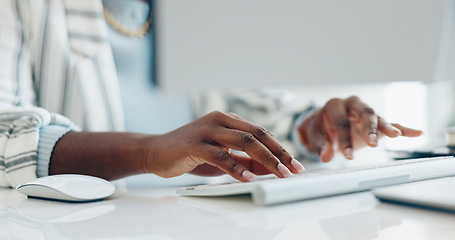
x=161 y=156
x=147 y=151
x=136 y=149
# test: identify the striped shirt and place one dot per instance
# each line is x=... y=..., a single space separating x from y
x=56 y=61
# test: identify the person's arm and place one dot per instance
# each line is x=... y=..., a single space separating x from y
x=201 y=147
x=109 y=155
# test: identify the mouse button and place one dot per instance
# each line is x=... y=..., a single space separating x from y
x=51 y=182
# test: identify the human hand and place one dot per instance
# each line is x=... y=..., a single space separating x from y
x=346 y=125
x=203 y=147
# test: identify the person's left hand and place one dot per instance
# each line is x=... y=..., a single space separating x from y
x=346 y=125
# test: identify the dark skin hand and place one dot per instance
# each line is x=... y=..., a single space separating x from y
x=346 y=125
x=201 y=147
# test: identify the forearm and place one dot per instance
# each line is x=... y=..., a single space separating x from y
x=107 y=155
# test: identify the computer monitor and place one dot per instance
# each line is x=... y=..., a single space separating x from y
x=270 y=43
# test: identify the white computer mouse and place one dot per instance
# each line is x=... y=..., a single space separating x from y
x=68 y=187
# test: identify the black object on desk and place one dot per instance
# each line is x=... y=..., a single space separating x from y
x=421 y=153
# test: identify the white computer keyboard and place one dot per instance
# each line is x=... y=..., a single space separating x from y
x=261 y=179
x=272 y=190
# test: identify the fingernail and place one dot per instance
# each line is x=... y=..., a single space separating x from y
x=348 y=153
x=283 y=170
x=373 y=138
x=297 y=165
x=249 y=176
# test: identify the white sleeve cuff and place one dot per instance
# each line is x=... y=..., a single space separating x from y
x=48 y=137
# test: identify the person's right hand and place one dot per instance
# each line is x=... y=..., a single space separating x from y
x=203 y=147
x=345 y=125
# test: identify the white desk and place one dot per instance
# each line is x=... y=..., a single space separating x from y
x=158 y=213
x=151 y=212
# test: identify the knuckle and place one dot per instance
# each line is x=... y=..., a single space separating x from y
x=367 y=110
x=353 y=98
x=271 y=158
x=215 y=115
x=234 y=115
x=333 y=101
x=323 y=134
x=371 y=128
x=260 y=131
x=234 y=166
x=343 y=123
x=247 y=137
x=281 y=152
x=222 y=156
x=345 y=141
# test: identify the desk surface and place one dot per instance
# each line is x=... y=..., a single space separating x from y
x=152 y=212
x=158 y=213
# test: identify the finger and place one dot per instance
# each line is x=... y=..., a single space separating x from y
x=207 y=170
x=267 y=140
x=244 y=141
x=323 y=146
x=315 y=138
x=388 y=129
x=327 y=152
x=251 y=164
x=218 y=157
x=337 y=120
x=408 y=132
x=254 y=166
x=234 y=115
x=365 y=120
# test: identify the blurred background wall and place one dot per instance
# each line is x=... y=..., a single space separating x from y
x=398 y=56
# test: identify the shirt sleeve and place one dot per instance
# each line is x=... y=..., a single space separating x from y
x=48 y=137
x=20 y=129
